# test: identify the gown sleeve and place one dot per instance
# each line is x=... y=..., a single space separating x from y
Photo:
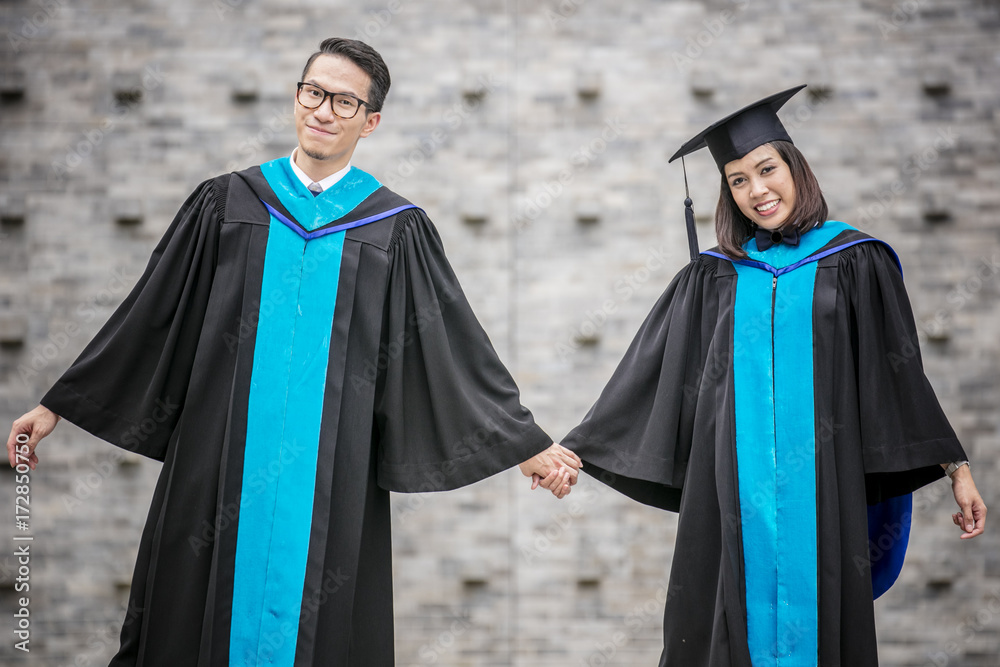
x=905 y=435
x=128 y=385
x=637 y=437
x=447 y=410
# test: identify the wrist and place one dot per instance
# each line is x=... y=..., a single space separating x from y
x=959 y=469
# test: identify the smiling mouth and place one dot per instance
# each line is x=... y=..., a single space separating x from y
x=766 y=208
x=316 y=129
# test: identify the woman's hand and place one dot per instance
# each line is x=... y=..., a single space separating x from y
x=972 y=517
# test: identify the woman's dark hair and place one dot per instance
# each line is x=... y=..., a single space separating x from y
x=732 y=228
x=364 y=57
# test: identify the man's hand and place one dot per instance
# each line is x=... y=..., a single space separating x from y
x=555 y=469
x=972 y=517
x=36 y=425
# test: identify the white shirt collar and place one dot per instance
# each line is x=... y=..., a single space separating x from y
x=327 y=182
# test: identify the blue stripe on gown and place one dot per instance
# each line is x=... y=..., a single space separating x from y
x=782 y=631
x=298 y=298
x=776 y=449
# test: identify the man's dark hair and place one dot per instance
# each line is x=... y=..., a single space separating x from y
x=733 y=229
x=364 y=57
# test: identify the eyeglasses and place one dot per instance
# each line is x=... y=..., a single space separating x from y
x=344 y=105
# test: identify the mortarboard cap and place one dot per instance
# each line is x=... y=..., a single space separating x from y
x=730 y=139
x=739 y=133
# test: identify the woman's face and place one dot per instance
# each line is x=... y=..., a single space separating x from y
x=762 y=186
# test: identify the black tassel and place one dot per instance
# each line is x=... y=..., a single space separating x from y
x=692 y=233
x=689 y=217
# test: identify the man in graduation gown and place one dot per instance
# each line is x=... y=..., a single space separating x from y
x=777 y=402
x=297 y=348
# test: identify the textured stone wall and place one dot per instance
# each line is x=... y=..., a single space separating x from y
x=536 y=135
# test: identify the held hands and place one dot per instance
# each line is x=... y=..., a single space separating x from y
x=555 y=469
x=36 y=425
x=972 y=517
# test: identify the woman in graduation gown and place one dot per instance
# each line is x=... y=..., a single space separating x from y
x=776 y=399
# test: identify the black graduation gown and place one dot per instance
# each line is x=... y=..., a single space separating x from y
x=414 y=399
x=665 y=429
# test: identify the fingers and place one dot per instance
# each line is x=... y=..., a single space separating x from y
x=959 y=520
x=569 y=456
x=979 y=526
x=977 y=520
x=551 y=481
x=967 y=514
x=556 y=470
x=27 y=431
x=12 y=444
x=573 y=473
x=557 y=482
x=21 y=451
x=558 y=456
x=564 y=486
x=971 y=517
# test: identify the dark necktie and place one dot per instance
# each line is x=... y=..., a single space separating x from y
x=769 y=237
x=315 y=188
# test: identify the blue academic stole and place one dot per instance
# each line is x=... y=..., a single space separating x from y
x=776 y=445
x=297 y=301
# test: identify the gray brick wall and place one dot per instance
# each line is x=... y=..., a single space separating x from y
x=536 y=135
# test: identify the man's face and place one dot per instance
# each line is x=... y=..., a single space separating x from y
x=322 y=134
